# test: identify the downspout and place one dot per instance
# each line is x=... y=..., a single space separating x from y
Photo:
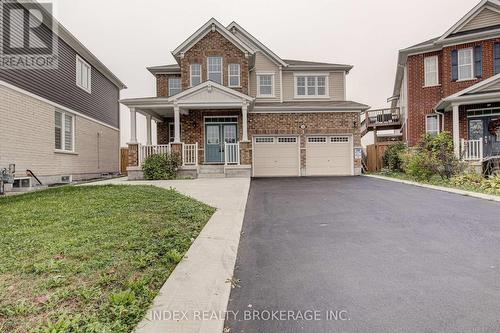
x=442 y=118
x=281 y=83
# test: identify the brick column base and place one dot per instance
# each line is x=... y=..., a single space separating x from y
x=176 y=148
x=133 y=154
x=245 y=153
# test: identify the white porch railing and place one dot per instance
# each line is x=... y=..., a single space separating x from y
x=232 y=153
x=147 y=150
x=472 y=150
x=190 y=154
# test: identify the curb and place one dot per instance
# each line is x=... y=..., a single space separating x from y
x=440 y=188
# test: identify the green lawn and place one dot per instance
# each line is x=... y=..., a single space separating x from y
x=90 y=259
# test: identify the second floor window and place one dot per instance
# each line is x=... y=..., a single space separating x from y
x=465 y=64
x=83 y=74
x=195 y=74
x=310 y=86
x=214 y=69
x=431 y=71
x=496 y=58
x=265 y=85
x=174 y=86
x=234 y=75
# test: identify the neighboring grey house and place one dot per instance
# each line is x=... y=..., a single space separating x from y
x=63 y=124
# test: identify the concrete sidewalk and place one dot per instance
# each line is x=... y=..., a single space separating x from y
x=195 y=296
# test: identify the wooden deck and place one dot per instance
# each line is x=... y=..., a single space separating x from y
x=381 y=119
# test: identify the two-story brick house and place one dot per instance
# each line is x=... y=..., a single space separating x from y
x=231 y=106
x=62 y=123
x=452 y=83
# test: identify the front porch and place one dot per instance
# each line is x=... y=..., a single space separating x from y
x=473 y=117
x=204 y=125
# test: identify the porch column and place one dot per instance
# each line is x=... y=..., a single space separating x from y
x=149 y=138
x=133 y=126
x=456 y=130
x=244 y=112
x=177 y=124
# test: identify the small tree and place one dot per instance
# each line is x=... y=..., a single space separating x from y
x=440 y=149
x=392 y=157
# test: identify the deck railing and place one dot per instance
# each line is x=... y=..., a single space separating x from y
x=381 y=118
x=190 y=154
x=147 y=150
x=232 y=153
x=472 y=150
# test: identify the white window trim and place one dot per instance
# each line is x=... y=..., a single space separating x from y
x=191 y=74
x=63 y=132
x=438 y=123
x=229 y=76
x=169 y=86
x=221 y=69
x=316 y=96
x=273 y=87
x=89 y=78
x=471 y=50
x=436 y=73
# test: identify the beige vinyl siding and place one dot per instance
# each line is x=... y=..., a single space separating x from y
x=27 y=139
x=493 y=87
x=335 y=81
x=485 y=18
x=265 y=65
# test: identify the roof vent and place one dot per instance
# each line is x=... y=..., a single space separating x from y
x=213 y=27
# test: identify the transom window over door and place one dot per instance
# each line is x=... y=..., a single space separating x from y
x=311 y=86
x=431 y=71
x=195 y=74
x=234 y=75
x=265 y=85
x=64 y=131
x=214 y=69
x=465 y=64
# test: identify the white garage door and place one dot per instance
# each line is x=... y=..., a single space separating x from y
x=276 y=156
x=329 y=156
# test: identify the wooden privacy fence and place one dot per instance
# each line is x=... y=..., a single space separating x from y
x=123 y=160
x=374 y=154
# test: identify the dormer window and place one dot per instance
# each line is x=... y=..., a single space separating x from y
x=214 y=69
x=195 y=74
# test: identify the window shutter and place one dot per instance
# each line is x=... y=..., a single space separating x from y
x=496 y=58
x=454 y=65
x=478 y=61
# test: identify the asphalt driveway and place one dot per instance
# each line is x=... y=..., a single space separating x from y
x=364 y=255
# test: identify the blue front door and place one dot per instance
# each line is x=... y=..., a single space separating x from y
x=215 y=137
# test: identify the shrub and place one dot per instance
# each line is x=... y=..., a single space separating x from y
x=467 y=180
x=418 y=165
x=491 y=185
x=161 y=166
x=392 y=157
x=440 y=149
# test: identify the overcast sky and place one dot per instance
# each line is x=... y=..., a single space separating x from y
x=129 y=35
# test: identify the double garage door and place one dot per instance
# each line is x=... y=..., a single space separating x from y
x=279 y=156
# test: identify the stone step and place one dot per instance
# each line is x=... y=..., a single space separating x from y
x=211 y=175
x=211 y=169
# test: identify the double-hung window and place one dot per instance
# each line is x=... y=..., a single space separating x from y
x=64 y=131
x=83 y=75
x=432 y=124
x=195 y=74
x=265 y=85
x=311 y=86
x=234 y=75
x=214 y=69
x=431 y=71
x=174 y=86
x=465 y=64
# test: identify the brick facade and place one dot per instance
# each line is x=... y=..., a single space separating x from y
x=214 y=44
x=162 y=84
x=422 y=100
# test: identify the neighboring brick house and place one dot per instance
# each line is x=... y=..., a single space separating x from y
x=452 y=83
x=231 y=107
x=61 y=123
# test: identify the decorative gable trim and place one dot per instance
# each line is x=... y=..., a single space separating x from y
x=270 y=54
x=210 y=87
x=493 y=5
x=211 y=26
